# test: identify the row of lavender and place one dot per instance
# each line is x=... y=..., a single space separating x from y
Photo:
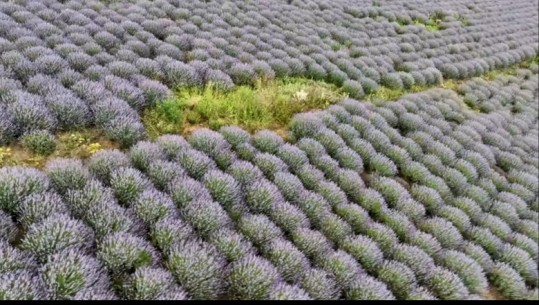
x=71 y=64
x=417 y=199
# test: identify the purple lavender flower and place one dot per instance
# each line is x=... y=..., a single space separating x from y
x=284 y=291
x=251 y=278
x=21 y=285
x=17 y=182
x=68 y=272
x=102 y=163
x=143 y=153
x=36 y=207
x=8 y=227
x=127 y=184
x=67 y=174
x=198 y=268
x=147 y=283
x=123 y=253
x=56 y=233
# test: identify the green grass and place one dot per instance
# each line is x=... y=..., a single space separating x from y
x=268 y=104
x=432 y=25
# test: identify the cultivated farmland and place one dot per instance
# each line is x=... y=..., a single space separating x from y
x=283 y=150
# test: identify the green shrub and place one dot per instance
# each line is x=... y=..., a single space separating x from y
x=40 y=142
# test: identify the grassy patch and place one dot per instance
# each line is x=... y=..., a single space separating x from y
x=78 y=144
x=269 y=104
x=432 y=25
x=451 y=84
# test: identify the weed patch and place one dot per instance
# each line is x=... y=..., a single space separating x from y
x=80 y=145
x=268 y=104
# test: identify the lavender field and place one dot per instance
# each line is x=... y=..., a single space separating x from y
x=408 y=170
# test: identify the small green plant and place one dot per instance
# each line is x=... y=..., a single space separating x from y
x=433 y=24
x=463 y=20
x=335 y=46
x=75 y=140
x=40 y=142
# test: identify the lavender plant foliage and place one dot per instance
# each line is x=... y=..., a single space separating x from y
x=13 y=259
x=291 y=263
x=244 y=172
x=320 y=285
x=365 y=251
x=126 y=130
x=107 y=217
x=198 y=268
x=366 y=287
x=398 y=277
x=147 y=284
x=143 y=153
x=344 y=267
x=128 y=184
x=258 y=228
x=183 y=190
x=251 y=278
x=469 y=271
x=68 y=272
x=206 y=216
x=37 y=207
x=261 y=195
x=168 y=231
x=288 y=216
x=510 y=284
x=56 y=233
x=232 y=244
x=102 y=163
x=122 y=253
x=8 y=226
x=21 y=285
x=67 y=174
x=446 y=284
x=225 y=190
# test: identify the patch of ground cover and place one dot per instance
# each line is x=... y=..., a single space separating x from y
x=80 y=144
x=267 y=105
